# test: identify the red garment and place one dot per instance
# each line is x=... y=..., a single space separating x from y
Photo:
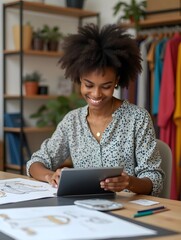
x=167 y=103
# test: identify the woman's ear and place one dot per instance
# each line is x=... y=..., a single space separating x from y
x=117 y=82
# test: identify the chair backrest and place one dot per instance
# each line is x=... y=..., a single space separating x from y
x=166 y=165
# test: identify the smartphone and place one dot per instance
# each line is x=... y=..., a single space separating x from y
x=99 y=204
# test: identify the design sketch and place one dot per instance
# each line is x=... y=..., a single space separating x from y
x=31 y=225
x=66 y=222
x=17 y=187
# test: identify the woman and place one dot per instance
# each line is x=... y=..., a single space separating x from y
x=108 y=132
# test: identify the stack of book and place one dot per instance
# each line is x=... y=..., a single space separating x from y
x=15 y=145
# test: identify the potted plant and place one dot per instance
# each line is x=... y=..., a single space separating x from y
x=31 y=83
x=38 y=39
x=51 y=113
x=52 y=36
x=133 y=11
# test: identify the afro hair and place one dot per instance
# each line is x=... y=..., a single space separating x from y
x=94 y=49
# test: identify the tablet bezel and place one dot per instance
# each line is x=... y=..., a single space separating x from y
x=85 y=181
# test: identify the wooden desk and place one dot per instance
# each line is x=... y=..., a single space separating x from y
x=170 y=219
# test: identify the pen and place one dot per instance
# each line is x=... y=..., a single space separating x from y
x=151 y=209
x=142 y=214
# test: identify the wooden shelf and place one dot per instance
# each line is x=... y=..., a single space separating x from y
x=29 y=129
x=156 y=22
x=160 y=22
x=52 y=9
x=14 y=167
x=35 y=53
x=34 y=97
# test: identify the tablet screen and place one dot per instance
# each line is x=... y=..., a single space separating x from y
x=84 y=181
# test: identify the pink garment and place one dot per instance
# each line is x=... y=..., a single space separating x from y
x=167 y=103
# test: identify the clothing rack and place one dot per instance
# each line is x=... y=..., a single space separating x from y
x=159 y=30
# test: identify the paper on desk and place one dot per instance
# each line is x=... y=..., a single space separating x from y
x=66 y=222
x=19 y=189
x=144 y=202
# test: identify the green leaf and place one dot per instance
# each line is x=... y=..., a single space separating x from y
x=54 y=111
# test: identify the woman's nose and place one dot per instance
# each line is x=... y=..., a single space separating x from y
x=97 y=92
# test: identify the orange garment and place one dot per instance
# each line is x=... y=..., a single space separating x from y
x=177 y=120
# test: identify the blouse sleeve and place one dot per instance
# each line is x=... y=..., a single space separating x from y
x=53 y=151
x=148 y=158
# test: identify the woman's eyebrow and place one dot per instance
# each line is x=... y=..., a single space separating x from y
x=85 y=79
x=88 y=81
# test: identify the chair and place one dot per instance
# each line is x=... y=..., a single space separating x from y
x=166 y=165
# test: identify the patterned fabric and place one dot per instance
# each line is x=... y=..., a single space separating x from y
x=128 y=141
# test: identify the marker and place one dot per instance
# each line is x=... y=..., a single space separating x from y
x=151 y=209
x=142 y=214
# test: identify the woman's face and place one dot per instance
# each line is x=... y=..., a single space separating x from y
x=97 y=88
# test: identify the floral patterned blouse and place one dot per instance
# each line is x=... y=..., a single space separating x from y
x=128 y=141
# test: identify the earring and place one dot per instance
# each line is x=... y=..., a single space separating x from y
x=116 y=85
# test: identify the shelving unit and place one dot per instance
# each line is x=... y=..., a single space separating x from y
x=34 y=53
x=156 y=22
x=22 y=6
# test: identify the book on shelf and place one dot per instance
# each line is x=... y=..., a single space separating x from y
x=15 y=146
x=14 y=140
x=13 y=120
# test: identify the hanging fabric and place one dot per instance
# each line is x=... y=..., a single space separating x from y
x=167 y=103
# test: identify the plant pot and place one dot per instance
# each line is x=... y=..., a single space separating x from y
x=27 y=37
x=75 y=3
x=38 y=44
x=52 y=46
x=31 y=88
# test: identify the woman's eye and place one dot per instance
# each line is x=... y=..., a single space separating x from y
x=106 y=87
x=88 y=86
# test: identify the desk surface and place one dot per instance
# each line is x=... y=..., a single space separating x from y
x=170 y=219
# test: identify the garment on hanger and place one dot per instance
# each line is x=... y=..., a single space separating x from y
x=167 y=103
x=177 y=120
x=157 y=75
x=142 y=83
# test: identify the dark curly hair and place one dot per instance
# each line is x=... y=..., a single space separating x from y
x=96 y=49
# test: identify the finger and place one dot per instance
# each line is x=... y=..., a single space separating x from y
x=54 y=183
x=116 y=184
x=51 y=180
x=123 y=178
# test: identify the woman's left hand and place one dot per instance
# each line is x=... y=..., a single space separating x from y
x=116 y=184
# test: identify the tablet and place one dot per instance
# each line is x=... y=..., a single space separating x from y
x=85 y=181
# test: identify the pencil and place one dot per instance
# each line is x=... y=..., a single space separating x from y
x=151 y=209
x=146 y=213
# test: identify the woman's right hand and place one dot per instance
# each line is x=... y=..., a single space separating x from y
x=53 y=179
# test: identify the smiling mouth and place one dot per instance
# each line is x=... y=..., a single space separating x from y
x=94 y=101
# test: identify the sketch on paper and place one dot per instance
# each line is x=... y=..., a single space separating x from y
x=66 y=222
x=30 y=224
x=19 y=189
